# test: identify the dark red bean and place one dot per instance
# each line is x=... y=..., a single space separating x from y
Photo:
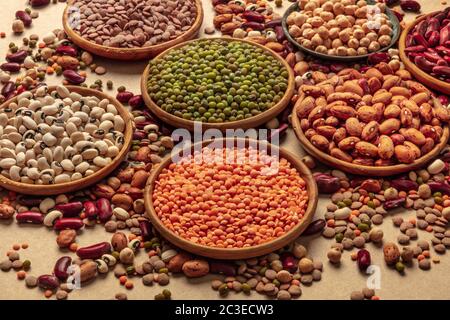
x=273 y=23
x=73 y=77
x=253 y=25
x=67 y=51
x=30 y=217
x=432 y=57
x=10 y=67
x=68 y=223
x=363 y=259
x=404 y=184
x=48 y=282
x=443 y=71
x=139 y=135
x=71 y=209
x=280 y=33
x=29 y=201
x=18 y=57
x=418 y=48
x=289 y=262
x=392 y=204
x=434 y=39
x=90 y=209
x=432 y=26
x=420 y=40
x=436 y=186
x=279 y=132
x=8 y=88
x=104 y=209
x=61 y=267
x=24 y=17
x=136 y=101
x=443 y=50
x=424 y=64
x=314 y=227
x=410 y=5
x=225 y=268
x=250 y=15
x=377 y=57
x=124 y=96
x=327 y=183
x=444 y=35
x=146 y=230
x=94 y=251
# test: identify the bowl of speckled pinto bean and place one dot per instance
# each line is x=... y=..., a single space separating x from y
x=234 y=199
x=131 y=30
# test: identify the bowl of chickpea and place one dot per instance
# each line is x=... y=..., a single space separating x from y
x=341 y=30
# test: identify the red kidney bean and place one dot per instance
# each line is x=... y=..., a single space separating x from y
x=24 y=17
x=420 y=40
x=39 y=3
x=146 y=230
x=327 y=183
x=225 y=268
x=424 y=64
x=273 y=23
x=18 y=57
x=444 y=35
x=404 y=184
x=104 y=209
x=278 y=132
x=445 y=101
x=29 y=201
x=432 y=57
x=421 y=27
x=434 y=39
x=280 y=33
x=30 y=217
x=337 y=67
x=73 y=77
x=289 y=262
x=253 y=25
x=443 y=50
x=363 y=259
x=10 y=67
x=250 y=15
x=399 y=15
x=90 y=209
x=436 y=186
x=94 y=251
x=139 y=135
x=314 y=227
x=410 y=5
x=8 y=88
x=124 y=96
x=392 y=204
x=377 y=57
x=68 y=223
x=48 y=282
x=136 y=101
x=71 y=209
x=61 y=266
x=432 y=25
x=364 y=84
x=442 y=63
x=443 y=71
x=418 y=48
x=67 y=51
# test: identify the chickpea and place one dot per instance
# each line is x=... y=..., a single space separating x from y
x=350 y=10
x=316 y=22
x=332 y=52
x=362 y=51
x=302 y=3
x=306 y=43
x=360 y=22
x=334 y=33
x=361 y=3
x=321 y=49
x=344 y=35
x=353 y=43
x=367 y=27
x=394 y=64
x=372 y=36
x=361 y=12
x=384 y=41
x=290 y=20
x=385 y=30
x=295 y=31
x=316 y=40
x=308 y=33
x=382 y=6
x=336 y=43
x=343 y=22
x=332 y=24
x=305 y=26
x=351 y=19
x=374 y=46
x=326 y=16
x=317 y=12
x=351 y=52
x=359 y=34
x=341 y=51
x=327 y=43
x=310 y=6
x=300 y=19
x=328 y=6
x=323 y=32
x=338 y=8
x=364 y=42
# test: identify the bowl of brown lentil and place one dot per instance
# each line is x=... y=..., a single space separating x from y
x=245 y=225
x=87 y=180
x=229 y=73
x=135 y=50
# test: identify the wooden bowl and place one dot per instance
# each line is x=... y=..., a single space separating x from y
x=392 y=17
x=52 y=189
x=418 y=73
x=131 y=54
x=360 y=169
x=237 y=253
x=252 y=122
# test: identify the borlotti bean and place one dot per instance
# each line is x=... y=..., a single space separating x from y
x=129 y=24
x=51 y=138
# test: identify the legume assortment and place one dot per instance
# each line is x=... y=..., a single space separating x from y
x=217 y=81
x=230 y=205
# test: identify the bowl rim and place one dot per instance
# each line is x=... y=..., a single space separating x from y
x=251 y=122
x=52 y=189
x=235 y=253
x=362 y=169
x=294 y=7
x=129 y=53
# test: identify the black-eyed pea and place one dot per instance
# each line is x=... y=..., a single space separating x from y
x=109 y=259
x=102 y=266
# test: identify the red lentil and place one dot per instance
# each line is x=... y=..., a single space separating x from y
x=230 y=204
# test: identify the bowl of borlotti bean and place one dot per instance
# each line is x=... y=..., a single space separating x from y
x=131 y=30
x=231 y=198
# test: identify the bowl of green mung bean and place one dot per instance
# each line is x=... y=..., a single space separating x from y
x=220 y=83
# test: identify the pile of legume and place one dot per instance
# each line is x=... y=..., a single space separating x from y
x=217 y=81
x=231 y=204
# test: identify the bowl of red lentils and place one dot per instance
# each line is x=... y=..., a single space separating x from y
x=231 y=198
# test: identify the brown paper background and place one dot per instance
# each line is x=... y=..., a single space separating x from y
x=336 y=283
